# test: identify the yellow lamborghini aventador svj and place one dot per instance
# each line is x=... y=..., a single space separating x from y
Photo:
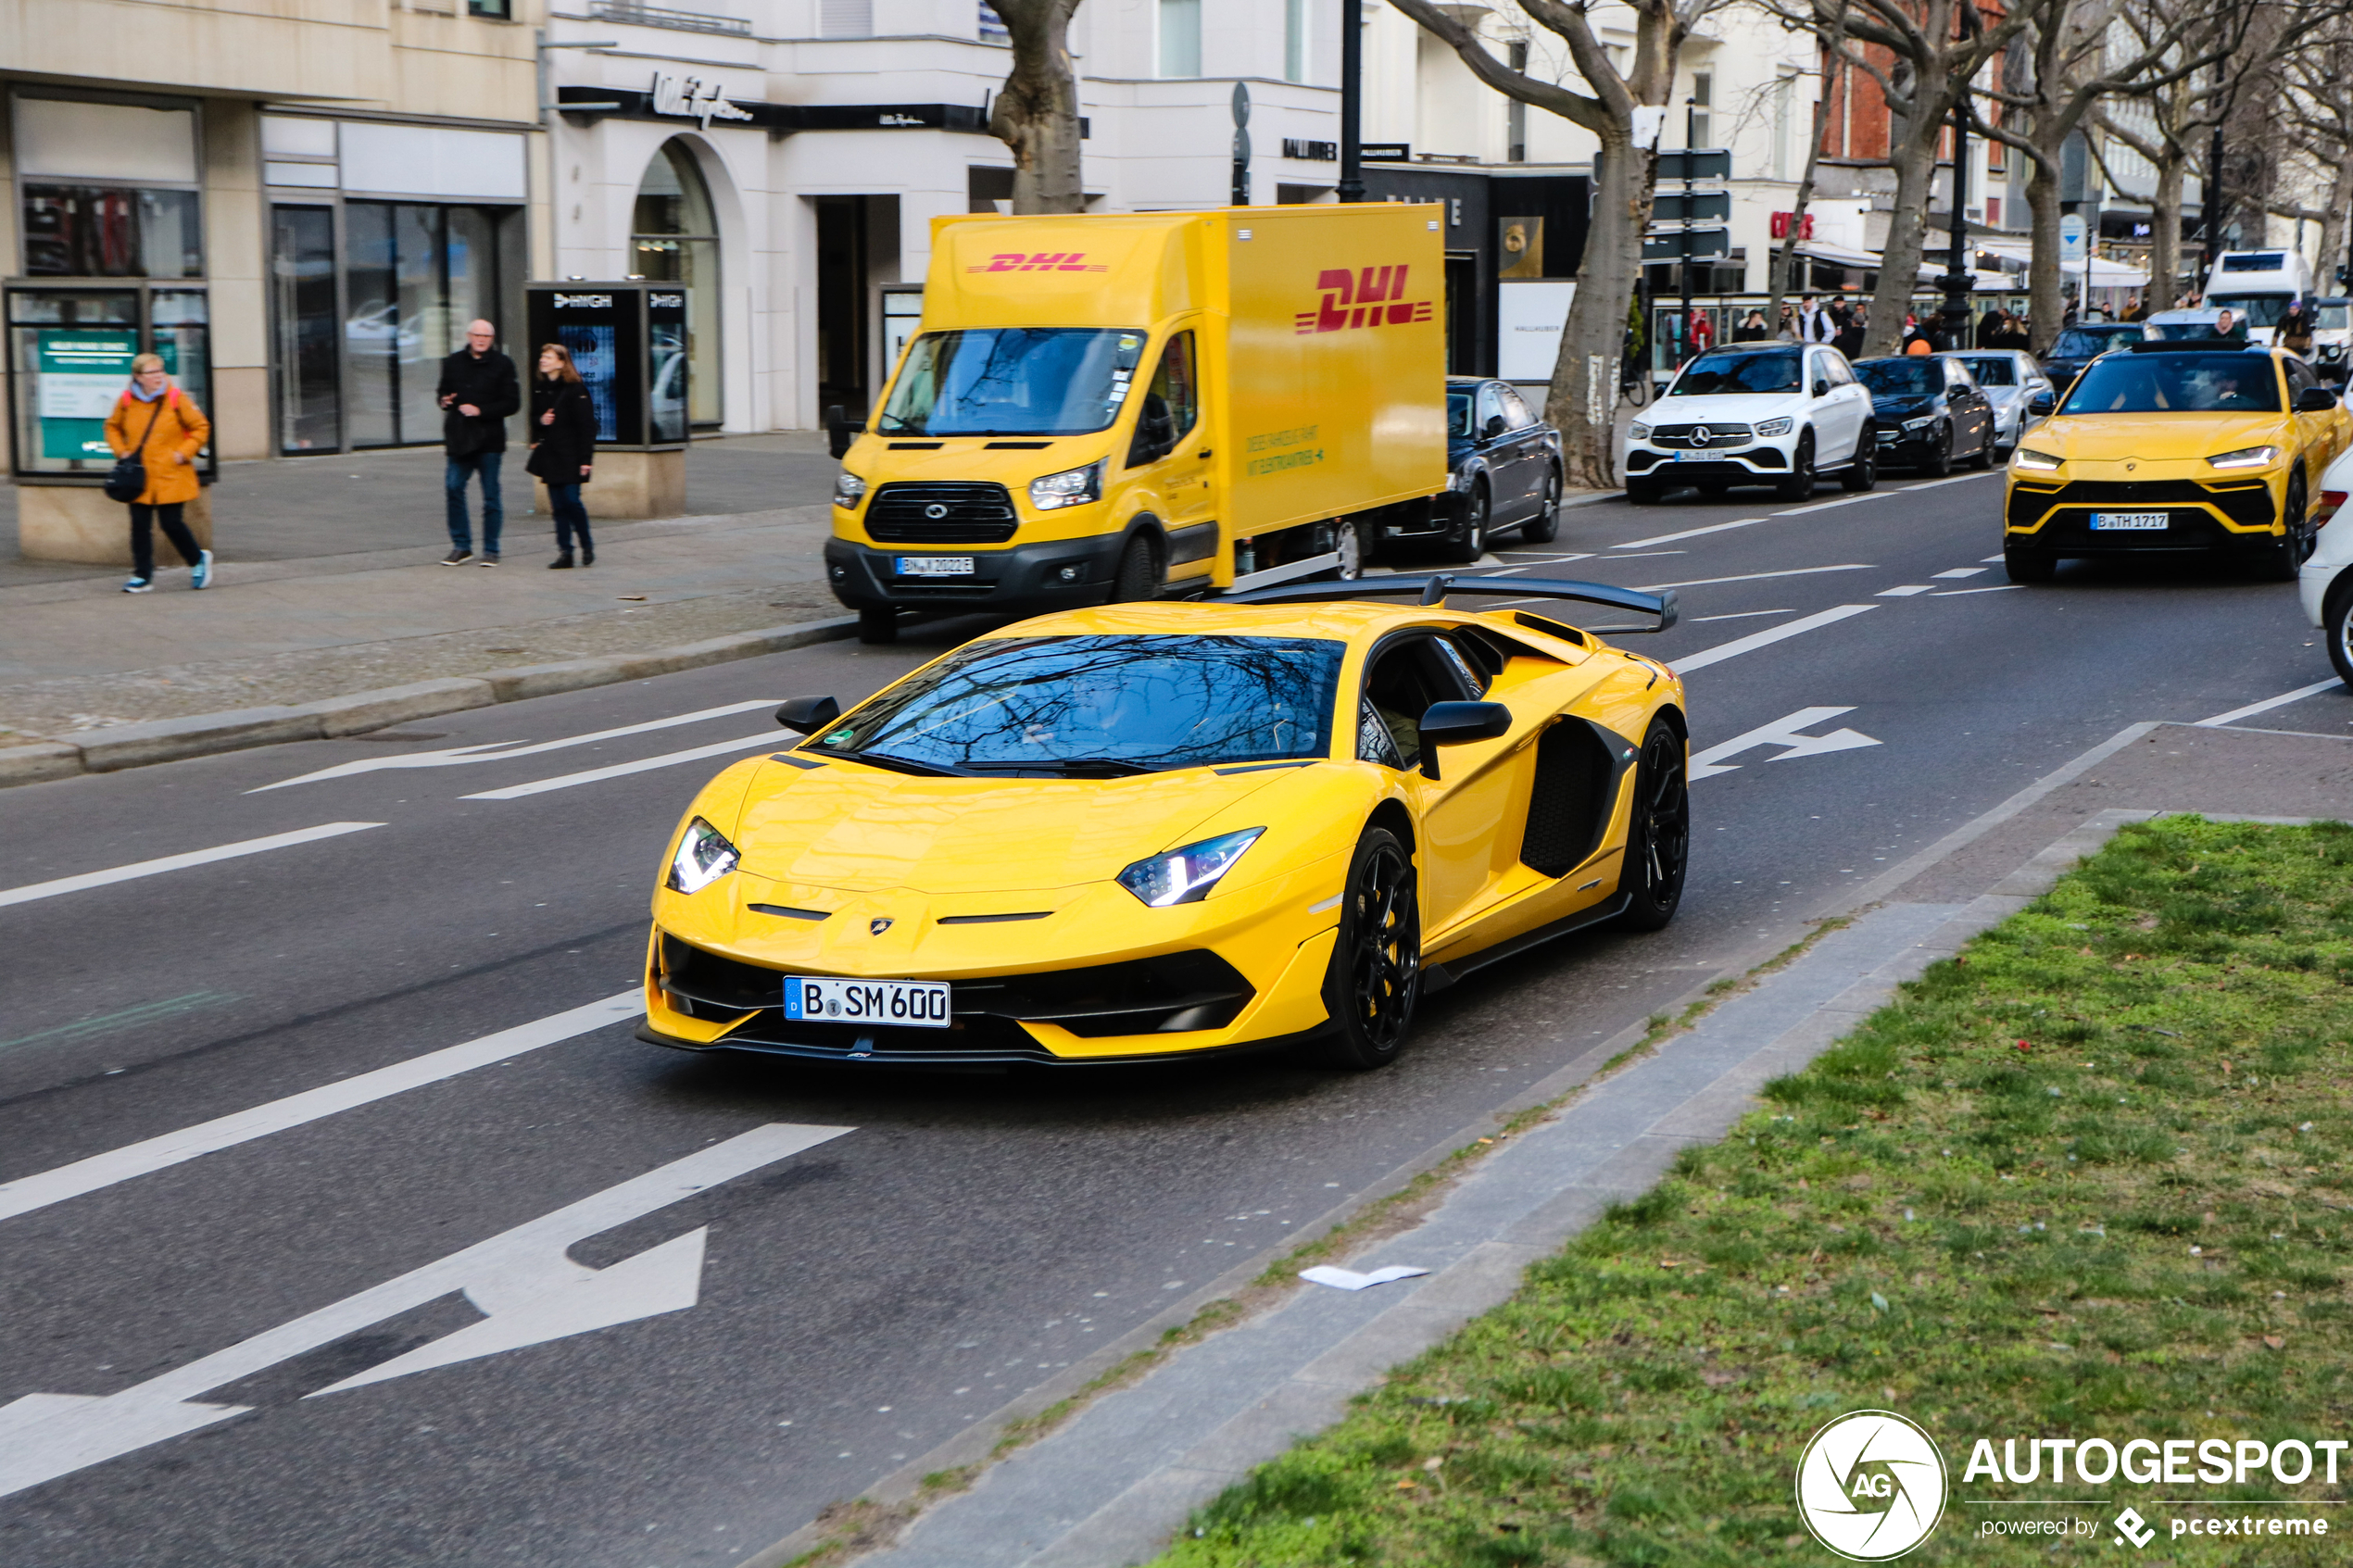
x=1153 y=831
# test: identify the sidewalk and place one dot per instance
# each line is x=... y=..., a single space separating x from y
x=329 y=586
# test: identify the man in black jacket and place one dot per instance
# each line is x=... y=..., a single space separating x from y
x=479 y=389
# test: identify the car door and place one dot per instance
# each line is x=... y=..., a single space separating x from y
x=1455 y=814
x=1972 y=411
x=1491 y=433
x=1531 y=455
x=1837 y=419
x=2315 y=434
x=1168 y=440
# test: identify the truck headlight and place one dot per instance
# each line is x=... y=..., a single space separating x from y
x=2246 y=457
x=1185 y=875
x=1771 y=428
x=2027 y=458
x=849 y=490
x=1069 y=488
x=702 y=858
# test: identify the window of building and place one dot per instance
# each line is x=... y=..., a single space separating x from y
x=1179 y=38
x=1785 y=110
x=303 y=322
x=1701 y=121
x=675 y=240
x=992 y=26
x=496 y=11
x=414 y=274
x=1515 y=112
x=1294 y=39
x=845 y=18
x=107 y=190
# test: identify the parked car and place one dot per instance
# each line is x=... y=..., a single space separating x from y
x=1503 y=468
x=2331 y=338
x=1781 y=414
x=1930 y=412
x=2079 y=346
x=2009 y=377
x=2325 y=580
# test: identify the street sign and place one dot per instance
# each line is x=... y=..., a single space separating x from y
x=1698 y=207
x=2071 y=237
x=1702 y=163
x=1707 y=245
x=1241 y=144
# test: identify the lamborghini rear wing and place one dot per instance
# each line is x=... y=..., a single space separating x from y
x=1433 y=588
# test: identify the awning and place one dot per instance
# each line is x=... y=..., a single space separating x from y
x=1837 y=255
x=2106 y=275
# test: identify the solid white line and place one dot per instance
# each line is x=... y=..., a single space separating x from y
x=1964 y=571
x=778 y=738
x=1904 y=590
x=27 y=893
x=1955 y=480
x=1756 y=640
x=27 y=1193
x=1957 y=593
x=1840 y=501
x=1688 y=534
x=1548 y=555
x=1996 y=560
x=2252 y=709
x=1752 y=577
x=498 y=751
x=1737 y=615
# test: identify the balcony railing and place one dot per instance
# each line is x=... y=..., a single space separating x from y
x=664 y=16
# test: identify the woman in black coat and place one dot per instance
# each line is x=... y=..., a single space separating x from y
x=563 y=448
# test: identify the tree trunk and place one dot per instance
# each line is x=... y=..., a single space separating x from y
x=2043 y=302
x=2165 y=233
x=1899 y=263
x=1037 y=115
x=1785 y=268
x=1582 y=401
x=2333 y=228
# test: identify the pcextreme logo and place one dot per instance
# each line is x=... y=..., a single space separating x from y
x=1871 y=1485
x=1049 y=261
x=1372 y=299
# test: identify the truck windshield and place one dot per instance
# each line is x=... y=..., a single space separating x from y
x=1013 y=381
x=2252 y=309
x=1095 y=706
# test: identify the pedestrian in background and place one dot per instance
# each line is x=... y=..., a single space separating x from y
x=563 y=448
x=1989 y=327
x=2295 y=330
x=161 y=427
x=478 y=389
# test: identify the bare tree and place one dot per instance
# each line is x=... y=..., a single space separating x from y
x=1582 y=401
x=1037 y=115
x=1831 y=47
x=2318 y=113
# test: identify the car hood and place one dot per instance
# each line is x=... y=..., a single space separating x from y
x=860 y=829
x=2153 y=438
x=1744 y=407
x=1907 y=404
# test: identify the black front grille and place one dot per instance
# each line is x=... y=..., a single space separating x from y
x=2246 y=502
x=1687 y=437
x=959 y=513
x=1566 y=801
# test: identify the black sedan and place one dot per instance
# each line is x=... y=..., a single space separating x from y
x=1929 y=412
x=1504 y=471
x=2078 y=347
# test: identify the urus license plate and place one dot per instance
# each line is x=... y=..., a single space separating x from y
x=904 y=1004
x=2106 y=523
x=935 y=566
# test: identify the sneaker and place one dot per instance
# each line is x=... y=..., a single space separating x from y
x=200 y=574
x=458 y=557
x=139 y=585
x=489 y=558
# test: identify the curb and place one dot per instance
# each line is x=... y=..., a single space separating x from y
x=203 y=734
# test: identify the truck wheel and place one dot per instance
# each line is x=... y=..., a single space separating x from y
x=1545 y=526
x=1659 y=844
x=1140 y=574
x=1467 y=543
x=878 y=625
x=1376 y=973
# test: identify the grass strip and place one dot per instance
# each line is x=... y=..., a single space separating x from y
x=2088 y=1178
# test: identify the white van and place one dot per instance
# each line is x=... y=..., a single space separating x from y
x=2256 y=286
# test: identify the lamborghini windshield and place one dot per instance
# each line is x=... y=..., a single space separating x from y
x=1013 y=381
x=2177 y=384
x=1100 y=706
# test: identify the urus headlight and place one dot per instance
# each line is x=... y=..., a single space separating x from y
x=2027 y=458
x=1070 y=488
x=703 y=856
x=1185 y=875
x=849 y=490
x=1771 y=428
x=2246 y=457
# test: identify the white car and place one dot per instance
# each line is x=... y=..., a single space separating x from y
x=1782 y=414
x=2010 y=379
x=2331 y=338
x=2325 y=581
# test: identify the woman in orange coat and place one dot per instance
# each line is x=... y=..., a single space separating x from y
x=164 y=426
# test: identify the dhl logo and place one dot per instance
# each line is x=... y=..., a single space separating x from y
x=1373 y=299
x=1019 y=261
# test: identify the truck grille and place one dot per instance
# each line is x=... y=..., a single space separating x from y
x=942 y=514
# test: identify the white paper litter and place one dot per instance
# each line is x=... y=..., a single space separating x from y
x=1348 y=1279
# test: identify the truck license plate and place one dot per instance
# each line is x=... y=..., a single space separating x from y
x=2105 y=523
x=935 y=566
x=906 y=1004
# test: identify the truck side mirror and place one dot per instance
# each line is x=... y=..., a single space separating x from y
x=1155 y=432
x=839 y=431
x=808 y=714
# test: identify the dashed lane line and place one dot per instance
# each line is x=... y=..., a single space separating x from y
x=1756 y=640
x=32 y=891
x=1754 y=576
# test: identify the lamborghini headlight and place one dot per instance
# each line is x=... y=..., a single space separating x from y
x=1069 y=488
x=849 y=490
x=2247 y=457
x=703 y=856
x=2027 y=458
x=1185 y=875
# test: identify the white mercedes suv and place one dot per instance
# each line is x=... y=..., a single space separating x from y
x=1782 y=414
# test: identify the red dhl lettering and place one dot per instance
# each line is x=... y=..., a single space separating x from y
x=1373 y=297
x=1048 y=261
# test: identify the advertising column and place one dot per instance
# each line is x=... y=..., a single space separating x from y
x=628 y=341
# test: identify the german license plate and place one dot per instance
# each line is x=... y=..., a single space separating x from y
x=904 y=1004
x=1691 y=456
x=2106 y=523
x=935 y=566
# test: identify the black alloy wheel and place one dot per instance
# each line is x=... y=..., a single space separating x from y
x=1376 y=973
x=2280 y=560
x=1469 y=542
x=1983 y=458
x=878 y=625
x=1863 y=473
x=1140 y=574
x=1659 y=844
x=1940 y=446
x=2336 y=622
x=1799 y=486
x=1545 y=526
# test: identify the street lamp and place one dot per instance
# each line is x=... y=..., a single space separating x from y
x=1959 y=280
x=1352 y=101
x=1690 y=159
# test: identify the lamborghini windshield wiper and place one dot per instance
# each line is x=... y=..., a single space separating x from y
x=904 y=764
x=1100 y=767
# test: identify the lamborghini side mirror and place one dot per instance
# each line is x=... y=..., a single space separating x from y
x=808 y=714
x=1451 y=724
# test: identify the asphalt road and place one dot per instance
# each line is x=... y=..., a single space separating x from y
x=175 y=1302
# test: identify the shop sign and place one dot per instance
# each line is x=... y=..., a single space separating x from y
x=692 y=98
x=82 y=373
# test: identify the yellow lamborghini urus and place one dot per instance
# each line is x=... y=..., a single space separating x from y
x=1154 y=831
x=2186 y=444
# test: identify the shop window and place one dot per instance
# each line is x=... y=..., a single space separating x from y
x=675 y=240
x=111 y=232
x=414 y=274
x=70 y=354
x=303 y=320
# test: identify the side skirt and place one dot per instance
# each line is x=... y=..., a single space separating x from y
x=1438 y=977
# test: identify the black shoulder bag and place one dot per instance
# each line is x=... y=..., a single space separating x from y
x=126 y=481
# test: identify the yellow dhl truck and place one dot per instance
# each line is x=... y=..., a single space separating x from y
x=1110 y=406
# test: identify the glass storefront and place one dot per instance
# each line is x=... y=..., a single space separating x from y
x=111 y=232
x=676 y=241
x=302 y=308
x=69 y=351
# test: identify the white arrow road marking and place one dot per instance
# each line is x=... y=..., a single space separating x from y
x=179 y=862
x=667 y=760
x=500 y=751
x=1756 y=640
x=2268 y=703
x=1782 y=731
x=26 y=1194
x=529 y=1290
